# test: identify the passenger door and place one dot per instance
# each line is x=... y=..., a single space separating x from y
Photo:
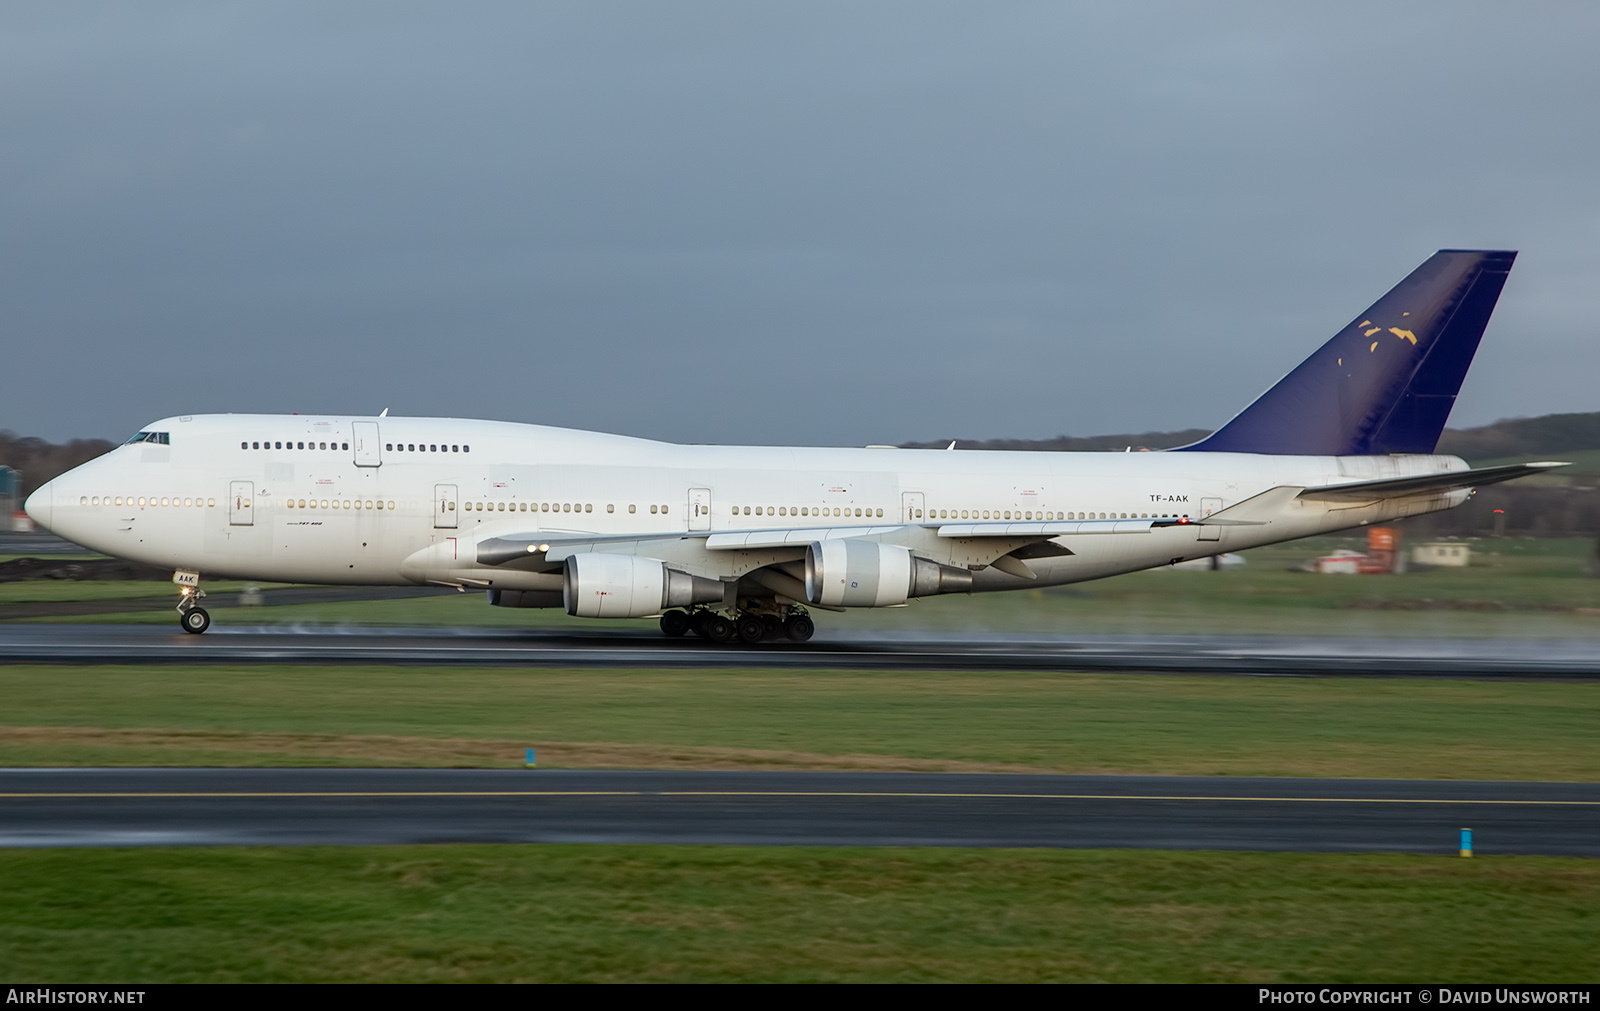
x=699 y=509
x=911 y=507
x=444 y=506
x=1207 y=507
x=364 y=436
x=241 y=503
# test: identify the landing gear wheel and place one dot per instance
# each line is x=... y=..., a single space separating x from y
x=697 y=623
x=751 y=628
x=675 y=623
x=718 y=628
x=799 y=627
x=195 y=620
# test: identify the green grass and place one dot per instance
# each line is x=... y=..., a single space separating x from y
x=678 y=913
x=302 y=715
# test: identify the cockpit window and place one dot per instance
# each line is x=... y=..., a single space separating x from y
x=160 y=438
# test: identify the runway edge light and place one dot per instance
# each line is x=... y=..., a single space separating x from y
x=1466 y=833
x=531 y=763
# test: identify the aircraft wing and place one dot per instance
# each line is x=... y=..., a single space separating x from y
x=552 y=546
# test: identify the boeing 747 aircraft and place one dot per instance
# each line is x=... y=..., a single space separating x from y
x=737 y=542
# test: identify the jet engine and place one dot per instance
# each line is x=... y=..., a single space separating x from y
x=598 y=585
x=852 y=573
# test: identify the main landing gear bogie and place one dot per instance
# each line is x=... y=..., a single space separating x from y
x=748 y=626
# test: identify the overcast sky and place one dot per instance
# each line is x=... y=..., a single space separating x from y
x=803 y=223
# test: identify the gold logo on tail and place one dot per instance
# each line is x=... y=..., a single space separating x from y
x=1368 y=328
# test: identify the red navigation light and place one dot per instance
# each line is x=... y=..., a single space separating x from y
x=1500 y=510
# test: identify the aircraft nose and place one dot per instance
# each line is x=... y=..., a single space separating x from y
x=41 y=504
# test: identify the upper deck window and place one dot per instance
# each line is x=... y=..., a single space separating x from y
x=160 y=438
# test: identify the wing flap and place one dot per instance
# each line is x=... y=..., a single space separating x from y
x=745 y=540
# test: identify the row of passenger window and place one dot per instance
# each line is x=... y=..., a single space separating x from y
x=549 y=507
x=819 y=511
x=588 y=507
x=393 y=447
x=295 y=445
x=337 y=503
x=147 y=500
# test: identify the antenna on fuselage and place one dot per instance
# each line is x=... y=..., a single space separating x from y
x=385 y=413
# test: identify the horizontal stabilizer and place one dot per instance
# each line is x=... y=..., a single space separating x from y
x=1362 y=491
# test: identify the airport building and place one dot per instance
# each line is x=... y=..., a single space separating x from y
x=1445 y=553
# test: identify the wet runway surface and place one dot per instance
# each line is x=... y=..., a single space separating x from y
x=151 y=807
x=1246 y=655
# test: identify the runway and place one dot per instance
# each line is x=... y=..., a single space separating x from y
x=165 y=807
x=833 y=648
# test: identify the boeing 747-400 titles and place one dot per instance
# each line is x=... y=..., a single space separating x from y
x=740 y=541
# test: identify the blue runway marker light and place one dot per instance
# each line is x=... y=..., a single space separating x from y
x=1466 y=838
x=531 y=762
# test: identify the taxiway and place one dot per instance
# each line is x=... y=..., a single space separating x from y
x=143 y=807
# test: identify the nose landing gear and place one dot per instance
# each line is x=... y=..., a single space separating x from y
x=195 y=620
x=191 y=616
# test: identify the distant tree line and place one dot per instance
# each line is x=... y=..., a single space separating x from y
x=1551 y=433
x=1074 y=444
x=38 y=461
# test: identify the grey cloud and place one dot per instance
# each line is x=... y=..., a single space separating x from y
x=803 y=223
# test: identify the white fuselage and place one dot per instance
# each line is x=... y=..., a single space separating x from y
x=383 y=501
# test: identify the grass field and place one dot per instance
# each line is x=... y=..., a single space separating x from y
x=671 y=913
x=414 y=716
x=503 y=913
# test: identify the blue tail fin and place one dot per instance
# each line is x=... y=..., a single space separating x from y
x=1386 y=382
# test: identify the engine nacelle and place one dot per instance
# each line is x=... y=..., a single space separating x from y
x=852 y=573
x=626 y=586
